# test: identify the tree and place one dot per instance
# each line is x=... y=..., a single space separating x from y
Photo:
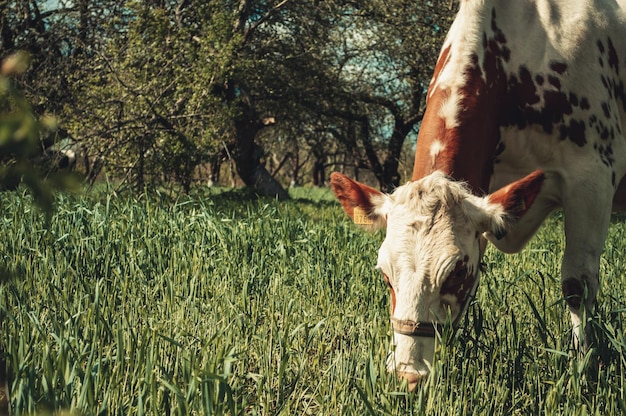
x=152 y=90
x=145 y=121
x=265 y=90
x=291 y=79
x=388 y=69
x=22 y=131
x=356 y=74
x=171 y=89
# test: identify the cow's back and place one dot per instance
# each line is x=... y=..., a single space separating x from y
x=522 y=85
x=564 y=101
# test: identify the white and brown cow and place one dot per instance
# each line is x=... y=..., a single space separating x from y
x=526 y=113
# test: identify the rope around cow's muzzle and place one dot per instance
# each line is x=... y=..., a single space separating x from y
x=431 y=329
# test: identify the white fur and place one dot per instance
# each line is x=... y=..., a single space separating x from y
x=431 y=225
x=436 y=148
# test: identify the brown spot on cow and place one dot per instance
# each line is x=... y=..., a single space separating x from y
x=558 y=67
x=584 y=104
x=459 y=282
x=613 y=59
x=554 y=81
x=575 y=131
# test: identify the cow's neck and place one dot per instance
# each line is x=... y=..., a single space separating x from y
x=463 y=149
x=460 y=129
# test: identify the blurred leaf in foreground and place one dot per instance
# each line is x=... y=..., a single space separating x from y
x=21 y=133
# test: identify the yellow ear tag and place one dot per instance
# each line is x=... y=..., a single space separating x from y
x=360 y=217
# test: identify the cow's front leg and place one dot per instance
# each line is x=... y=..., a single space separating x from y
x=586 y=225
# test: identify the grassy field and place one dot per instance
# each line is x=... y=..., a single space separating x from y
x=221 y=304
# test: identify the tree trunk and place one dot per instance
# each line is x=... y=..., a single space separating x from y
x=390 y=175
x=386 y=172
x=215 y=166
x=319 y=174
x=140 y=173
x=247 y=156
x=295 y=172
x=255 y=176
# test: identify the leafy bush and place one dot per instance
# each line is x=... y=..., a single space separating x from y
x=21 y=137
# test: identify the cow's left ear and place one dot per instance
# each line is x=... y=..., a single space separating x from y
x=517 y=197
x=508 y=204
x=364 y=204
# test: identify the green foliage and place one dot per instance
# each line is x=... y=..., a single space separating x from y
x=151 y=91
x=21 y=135
x=222 y=304
x=152 y=115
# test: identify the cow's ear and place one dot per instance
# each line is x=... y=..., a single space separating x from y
x=365 y=205
x=517 y=197
x=508 y=204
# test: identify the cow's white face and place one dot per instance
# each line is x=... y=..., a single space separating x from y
x=431 y=254
x=430 y=259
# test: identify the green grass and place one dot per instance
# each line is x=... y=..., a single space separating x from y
x=220 y=304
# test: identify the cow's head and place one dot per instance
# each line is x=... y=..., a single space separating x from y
x=431 y=254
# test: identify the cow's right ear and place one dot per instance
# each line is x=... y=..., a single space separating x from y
x=365 y=205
